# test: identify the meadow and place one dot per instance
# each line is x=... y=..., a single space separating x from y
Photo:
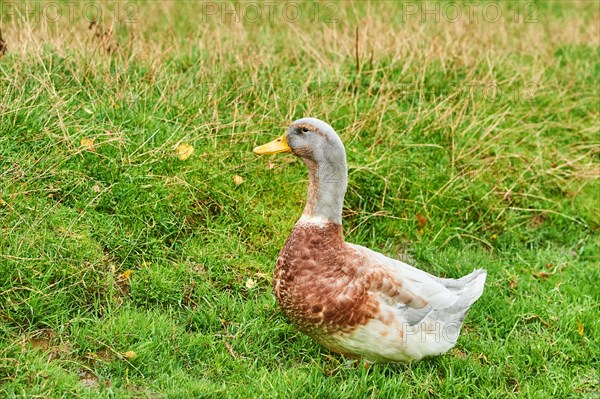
x=138 y=231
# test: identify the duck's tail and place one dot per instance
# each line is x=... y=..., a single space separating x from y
x=468 y=288
x=448 y=321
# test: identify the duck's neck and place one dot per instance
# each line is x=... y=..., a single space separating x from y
x=327 y=184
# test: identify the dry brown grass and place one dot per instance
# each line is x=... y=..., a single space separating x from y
x=155 y=30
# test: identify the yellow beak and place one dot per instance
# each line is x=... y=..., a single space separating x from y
x=274 y=147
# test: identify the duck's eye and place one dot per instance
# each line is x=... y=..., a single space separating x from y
x=304 y=130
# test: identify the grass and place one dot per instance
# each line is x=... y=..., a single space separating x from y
x=127 y=272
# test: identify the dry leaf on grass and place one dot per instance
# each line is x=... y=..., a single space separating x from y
x=542 y=275
x=184 y=151
x=421 y=219
x=87 y=143
x=126 y=274
x=237 y=179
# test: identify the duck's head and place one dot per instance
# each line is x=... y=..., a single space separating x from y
x=319 y=146
x=312 y=140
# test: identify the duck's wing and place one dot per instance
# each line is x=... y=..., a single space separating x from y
x=415 y=293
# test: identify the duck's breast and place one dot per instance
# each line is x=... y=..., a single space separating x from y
x=319 y=283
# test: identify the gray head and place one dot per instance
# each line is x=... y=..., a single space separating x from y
x=310 y=139
x=314 y=140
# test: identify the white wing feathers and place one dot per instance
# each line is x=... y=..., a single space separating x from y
x=456 y=296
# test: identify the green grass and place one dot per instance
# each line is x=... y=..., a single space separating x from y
x=509 y=182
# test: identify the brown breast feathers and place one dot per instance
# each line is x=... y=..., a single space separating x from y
x=319 y=283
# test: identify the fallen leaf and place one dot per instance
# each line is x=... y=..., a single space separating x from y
x=126 y=274
x=96 y=188
x=87 y=143
x=580 y=328
x=130 y=355
x=184 y=151
x=542 y=275
x=237 y=179
x=421 y=219
x=271 y=165
x=512 y=283
x=250 y=283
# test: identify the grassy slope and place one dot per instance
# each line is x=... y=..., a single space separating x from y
x=509 y=183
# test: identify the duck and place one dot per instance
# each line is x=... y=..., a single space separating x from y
x=350 y=299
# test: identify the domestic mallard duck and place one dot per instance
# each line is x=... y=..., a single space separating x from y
x=350 y=299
